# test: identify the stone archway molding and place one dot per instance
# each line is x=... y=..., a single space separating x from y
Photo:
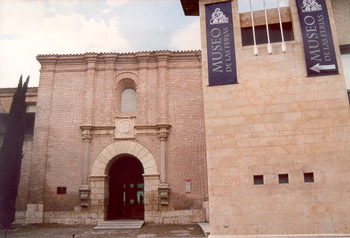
x=99 y=178
x=124 y=147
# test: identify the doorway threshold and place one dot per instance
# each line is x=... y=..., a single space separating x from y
x=126 y=224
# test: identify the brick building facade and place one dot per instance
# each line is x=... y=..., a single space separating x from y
x=274 y=148
x=82 y=129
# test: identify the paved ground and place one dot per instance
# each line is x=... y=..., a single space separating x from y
x=147 y=231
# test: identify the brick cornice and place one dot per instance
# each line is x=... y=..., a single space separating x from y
x=128 y=57
x=47 y=59
x=143 y=57
x=97 y=61
x=90 y=57
x=162 y=56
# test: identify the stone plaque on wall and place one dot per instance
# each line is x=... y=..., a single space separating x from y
x=124 y=127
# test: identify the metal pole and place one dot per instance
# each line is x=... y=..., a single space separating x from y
x=256 y=51
x=284 y=47
x=269 y=47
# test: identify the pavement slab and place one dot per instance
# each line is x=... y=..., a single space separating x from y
x=85 y=231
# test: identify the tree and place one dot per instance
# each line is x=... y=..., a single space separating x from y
x=11 y=155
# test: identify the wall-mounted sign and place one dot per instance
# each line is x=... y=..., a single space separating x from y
x=317 y=37
x=220 y=44
x=187 y=185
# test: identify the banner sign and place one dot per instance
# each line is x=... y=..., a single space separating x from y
x=317 y=37
x=220 y=44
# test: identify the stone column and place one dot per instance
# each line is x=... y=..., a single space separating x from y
x=163 y=132
x=84 y=190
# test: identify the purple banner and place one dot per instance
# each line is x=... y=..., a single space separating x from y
x=220 y=44
x=317 y=37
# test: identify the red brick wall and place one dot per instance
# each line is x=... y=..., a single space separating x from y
x=168 y=91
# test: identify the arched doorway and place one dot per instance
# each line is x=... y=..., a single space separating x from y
x=126 y=188
x=100 y=172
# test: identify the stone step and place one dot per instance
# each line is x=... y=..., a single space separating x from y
x=119 y=225
x=205 y=228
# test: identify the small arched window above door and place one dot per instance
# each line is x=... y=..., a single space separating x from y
x=128 y=101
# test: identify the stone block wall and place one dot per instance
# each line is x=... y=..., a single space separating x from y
x=152 y=204
x=341 y=11
x=98 y=197
x=276 y=120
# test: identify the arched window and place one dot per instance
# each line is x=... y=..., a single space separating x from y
x=128 y=101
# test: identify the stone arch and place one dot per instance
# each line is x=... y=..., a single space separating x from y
x=99 y=178
x=124 y=147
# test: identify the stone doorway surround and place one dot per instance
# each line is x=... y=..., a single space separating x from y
x=98 y=179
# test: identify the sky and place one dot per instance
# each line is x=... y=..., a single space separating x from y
x=32 y=27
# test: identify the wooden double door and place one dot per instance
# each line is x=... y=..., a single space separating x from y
x=126 y=189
